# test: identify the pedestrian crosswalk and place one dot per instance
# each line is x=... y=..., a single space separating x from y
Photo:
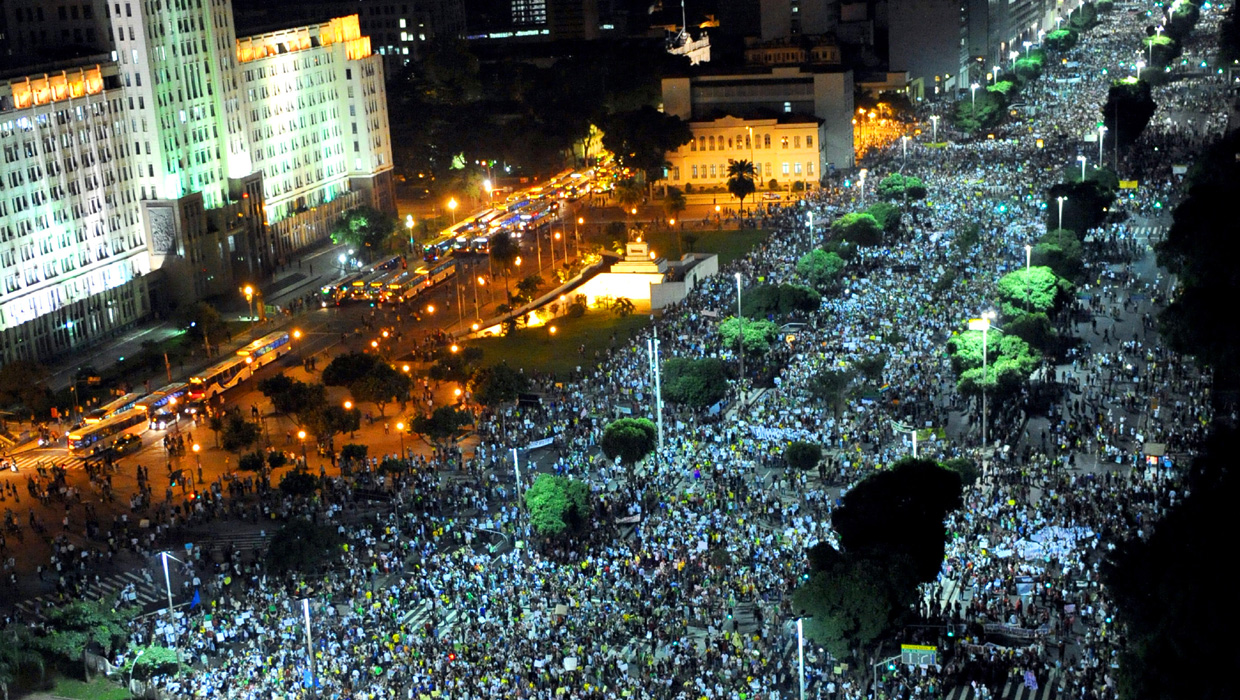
x=241 y=541
x=32 y=460
x=1012 y=690
x=442 y=618
x=131 y=586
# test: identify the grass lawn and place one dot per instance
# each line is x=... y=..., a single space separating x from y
x=728 y=244
x=535 y=350
x=98 y=689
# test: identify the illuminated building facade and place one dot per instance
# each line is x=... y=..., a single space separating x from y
x=788 y=149
x=193 y=154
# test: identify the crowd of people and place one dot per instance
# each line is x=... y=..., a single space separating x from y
x=712 y=530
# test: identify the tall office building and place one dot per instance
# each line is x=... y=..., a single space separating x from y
x=185 y=152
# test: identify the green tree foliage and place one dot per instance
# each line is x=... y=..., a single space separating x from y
x=203 y=324
x=1022 y=291
x=1166 y=588
x=871 y=366
x=858 y=228
x=821 y=268
x=527 y=288
x=1029 y=66
x=695 y=383
x=381 y=386
x=742 y=179
x=239 y=433
x=629 y=440
x=966 y=468
x=1062 y=39
x=1084 y=207
x=887 y=215
x=780 y=300
x=622 y=307
x=251 y=462
x=830 y=386
x=498 y=384
x=277 y=385
x=900 y=510
x=299 y=482
x=18 y=656
x=1127 y=111
x=354 y=452
x=81 y=625
x=1009 y=361
x=854 y=602
x=641 y=138
x=1183 y=17
x=982 y=110
x=303 y=546
x=504 y=253
x=674 y=202
x=802 y=455
x=1035 y=329
x=1084 y=17
x=329 y=420
x=155 y=660
x=1061 y=251
x=343 y=370
x=455 y=366
x=899 y=186
x=365 y=229
x=276 y=459
x=1160 y=49
x=441 y=427
x=558 y=505
x=1006 y=88
x=759 y=334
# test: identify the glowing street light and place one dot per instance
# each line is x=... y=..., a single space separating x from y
x=934 y=121
x=409 y=225
x=1082 y=159
x=452 y=205
x=248 y=291
x=973 y=96
x=400 y=428
x=301 y=435
x=983 y=324
x=1060 y=200
x=198 y=460
x=1101 y=130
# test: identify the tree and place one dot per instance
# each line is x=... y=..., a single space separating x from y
x=802 y=455
x=1229 y=36
x=353 y=452
x=1009 y=361
x=900 y=510
x=498 y=384
x=1161 y=49
x=858 y=228
x=741 y=178
x=154 y=660
x=303 y=546
x=202 y=323
x=1084 y=206
x=899 y=186
x=1035 y=329
x=758 y=333
x=674 y=203
x=239 y=433
x=364 y=229
x=17 y=655
x=629 y=194
x=329 y=420
x=966 y=468
x=1127 y=111
x=887 y=216
x=252 y=462
x=299 y=482
x=820 y=268
x=830 y=386
x=1062 y=39
x=276 y=459
x=275 y=388
x=381 y=385
x=1061 y=251
x=695 y=383
x=504 y=254
x=629 y=440
x=557 y=505
x=440 y=428
x=853 y=602
x=346 y=369
x=641 y=138
x=622 y=307
x=780 y=300
x=81 y=625
x=982 y=110
x=1021 y=291
x=527 y=288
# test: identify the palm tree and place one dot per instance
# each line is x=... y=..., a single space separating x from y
x=741 y=176
x=17 y=653
x=673 y=204
x=629 y=193
x=504 y=252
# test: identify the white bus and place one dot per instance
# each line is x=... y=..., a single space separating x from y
x=266 y=349
x=218 y=378
x=94 y=439
x=111 y=408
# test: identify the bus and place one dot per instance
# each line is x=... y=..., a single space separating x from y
x=266 y=349
x=218 y=378
x=94 y=439
x=427 y=278
x=111 y=408
x=168 y=396
x=338 y=290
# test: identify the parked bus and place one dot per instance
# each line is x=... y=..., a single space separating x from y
x=94 y=439
x=166 y=396
x=338 y=290
x=218 y=378
x=111 y=409
x=427 y=278
x=266 y=349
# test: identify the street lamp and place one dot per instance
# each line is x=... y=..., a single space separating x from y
x=1027 y=44
x=486 y=185
x=135 y=664
x=973 y=96
x=1028 y=283
x=409 y=225
x=1101 y=130
x=164 y=557
x=996 y=74
x=983 y=324
x=198 y=460
x=400 y=428
x=301 y=435
x=1082 y=160
x=740 y=336
x=452 y=205
x=1060 y=199
x=904 y=147
x=861 y=183
x=577 y=234
x=305 y=607
x=934 y=121
x=248 y=291
x=801 y=655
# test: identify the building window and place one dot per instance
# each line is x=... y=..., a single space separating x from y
x=796 y=167
x=768 y=169
x=809 y=168
x=695 y=174
x=785 y=168
x=783 y=142
x=692 y=144
x=809 y=141
x=712 y=170
x=796 y=141
x=767 y=141
x=788 y=107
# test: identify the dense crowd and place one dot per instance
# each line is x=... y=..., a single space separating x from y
x=420 y=607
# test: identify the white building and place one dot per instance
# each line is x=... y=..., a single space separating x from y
x=788 y=149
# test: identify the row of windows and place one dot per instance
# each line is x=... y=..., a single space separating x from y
x=715 y=170
x=742 y=142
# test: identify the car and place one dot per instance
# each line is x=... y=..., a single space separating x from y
x=164 y=420
x=127 y=444
x=771 y=196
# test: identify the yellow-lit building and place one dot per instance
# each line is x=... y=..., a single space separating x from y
x=787 y=149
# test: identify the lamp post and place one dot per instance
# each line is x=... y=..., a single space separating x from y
x=996 y=74
x=861 y=184
x=904 y=147
x=314 y=681
x=198 y=460
x=1101 y=130
x=577 y=236
x=1060 y=201
x=135 y=664
x=934 y=125
x=164 y=557
x=751 y=146
x=400 y=428
x=1028 y=283
x=983 y=324
x=301 y=435
x=477 y=281
x=1027 y=44
x=801 y=655
x=652 y=347
x=740 y=335
x=1081 y=160
x=248 y=291
x=452 y=205
x=973 y=97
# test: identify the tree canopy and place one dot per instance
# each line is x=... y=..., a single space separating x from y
x=802 y=455
x=820 y=268
x=899 y=186
x=498 y=384
x=641 y=138
x=381 y=386
x=741 y=179
x=758 y=333
x=1061 y=251
x=365 y=229
x=1127 y=111
x=780 y=300
x=629 y=440
x=558 y=505
x=1009 y=361
x=859 y=228
x=1035 y=290
x=343 y=370
x=303 y=546
x=697 y=383
x=442 y=425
